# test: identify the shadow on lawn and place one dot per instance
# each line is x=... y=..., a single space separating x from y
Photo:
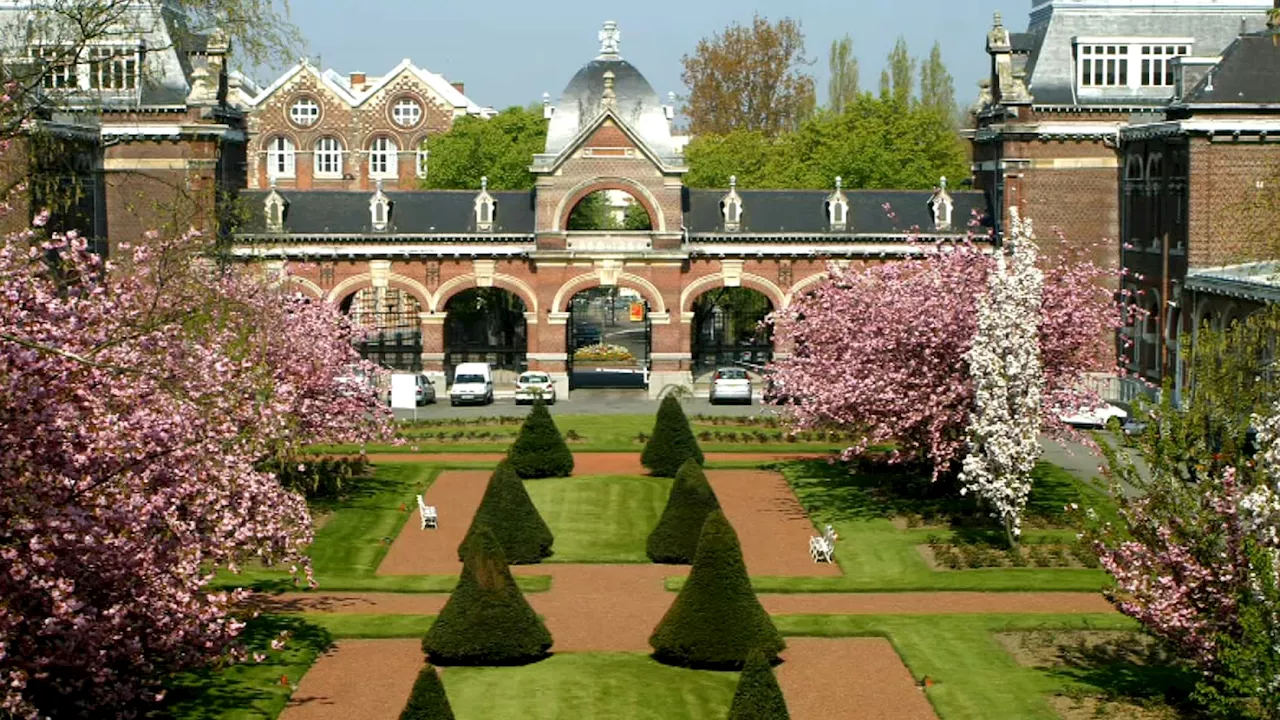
x=1124 y=670
x=873 y=490
x=249 y=688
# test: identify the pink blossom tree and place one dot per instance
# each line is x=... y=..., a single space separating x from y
x=882 y=350
x=1004 y=362
x=139 y=404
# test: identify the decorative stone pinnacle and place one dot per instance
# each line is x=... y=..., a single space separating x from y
x=839 y=183
x=273 y=183
x=378 y=185
x=609 y=96
x=733 y=182
x=999 y=21
x=484 y=183
x=942 y=183
x=610 y=39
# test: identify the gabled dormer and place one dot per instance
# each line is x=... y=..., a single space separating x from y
x=837 y=207
x=379 y=210
x=275 y=207
x=731 y=207
x=486 y=208
x=941 y=205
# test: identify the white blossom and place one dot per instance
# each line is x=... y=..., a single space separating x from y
x=1008 y=378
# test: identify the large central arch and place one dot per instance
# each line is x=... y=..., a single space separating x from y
x=632 y=188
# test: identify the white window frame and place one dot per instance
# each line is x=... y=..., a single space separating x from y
x=384 y=158
x=304 y=112
x=62 y=73
x=282 y=158
x=1118 y=62
x=112 y=68
x=328 y=157
x=421 y=163
x=399 y=117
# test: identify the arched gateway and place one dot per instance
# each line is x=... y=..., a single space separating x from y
x=609 y=140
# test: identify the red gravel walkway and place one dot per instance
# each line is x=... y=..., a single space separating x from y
x=456 y=495
x=772 y=525
x=358 y=680
x=824 y=679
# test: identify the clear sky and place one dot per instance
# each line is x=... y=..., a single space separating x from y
x=508 y=52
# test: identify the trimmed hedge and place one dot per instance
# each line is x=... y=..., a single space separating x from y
x=674 y=539
x=513 y=519
x=539 y=451
x=427 y=701
x=487 y=620
x=672 y=441
x=758 y=696
x=716 y=620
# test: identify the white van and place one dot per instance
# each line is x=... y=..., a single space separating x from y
x=472 y=382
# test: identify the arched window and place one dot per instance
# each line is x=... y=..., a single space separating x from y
x=281 y=158
x=383 y=158
x=328 y=157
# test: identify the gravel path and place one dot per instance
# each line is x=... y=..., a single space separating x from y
x=862 y=678
x=358 y=680
x=772 y=525
x=456 y=495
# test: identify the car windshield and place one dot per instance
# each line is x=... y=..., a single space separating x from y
x=468 y=379
x=733 y=374
x=533 y=379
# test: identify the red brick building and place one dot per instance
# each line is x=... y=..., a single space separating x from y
x=313 y=130
x=395 y=259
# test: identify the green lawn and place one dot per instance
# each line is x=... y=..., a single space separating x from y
x=877 y=555
x=618 y=686
x=600 y=519
x=357 y=534
x=600 y=433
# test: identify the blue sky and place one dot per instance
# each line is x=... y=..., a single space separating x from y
x=508 y=52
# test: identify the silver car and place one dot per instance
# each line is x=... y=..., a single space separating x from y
x=533 y=385
x=731 y=384
x=426 y=391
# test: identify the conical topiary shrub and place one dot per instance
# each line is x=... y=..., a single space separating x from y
x=716 y=620
x=513 y=519
x=427 y=701
x=486 y=621
x=758 y=696
x=675 y=538
x=672 y=441
x=539 y=451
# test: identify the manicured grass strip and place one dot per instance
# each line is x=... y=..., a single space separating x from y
x=345 y=625
x=600 y=519
x=974 y=677
x=618 y=686
x=249 y=691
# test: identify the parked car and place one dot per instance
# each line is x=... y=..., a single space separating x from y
x=472 y=383
x=1095 y=417
x=533 y=385
x=730 y=384
x=426 y=390
x=586 y=334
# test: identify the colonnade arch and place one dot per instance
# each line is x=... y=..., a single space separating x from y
x=390 y=319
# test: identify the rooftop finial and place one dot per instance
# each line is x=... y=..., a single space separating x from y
x=999 y=21
x=733 y=182
x=484 y=183
x=839 y=183
x=610 y=38
x=942 y=183
x=378 y=185
x=609 y=96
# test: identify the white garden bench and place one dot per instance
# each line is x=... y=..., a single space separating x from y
x=822 y=548
x=428 y=514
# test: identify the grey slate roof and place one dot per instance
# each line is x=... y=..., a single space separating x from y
x=1051 y=67
x=637 y=105
x=804 y=211
x=412 y=212
x=1258 y=281
x=1248 y=73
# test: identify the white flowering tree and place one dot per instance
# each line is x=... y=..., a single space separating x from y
x=1008 y=378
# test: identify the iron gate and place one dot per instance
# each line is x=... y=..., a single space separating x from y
x=729 y=330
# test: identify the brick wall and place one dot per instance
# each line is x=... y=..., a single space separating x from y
x=1234 y=192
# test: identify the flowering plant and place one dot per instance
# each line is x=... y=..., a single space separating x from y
x=602 y=352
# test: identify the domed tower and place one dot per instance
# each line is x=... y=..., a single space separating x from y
x=610 y=131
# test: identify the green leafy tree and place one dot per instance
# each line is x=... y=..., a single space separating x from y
x=674 y=539
x=500 y=148
x=539 y=451
x=902 y=72
x=842 y=87
x=758 y=696
x=672 y=441
x=427 y=701
x=716 y=621
x=487 y=620
x=712 y=159
x=937 y=90
x=635 y=217
x=749 y=78
x=512 y=518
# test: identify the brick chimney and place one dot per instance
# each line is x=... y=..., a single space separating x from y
x=357 y=80
x=460 y=86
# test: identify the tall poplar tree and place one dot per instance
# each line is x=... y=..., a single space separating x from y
x=902 y=72
x=937 y=90
x=842 y=87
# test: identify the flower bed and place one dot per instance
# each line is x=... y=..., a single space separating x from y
x=972 y=555
x=603 y=353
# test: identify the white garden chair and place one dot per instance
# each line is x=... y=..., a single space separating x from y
x=428 y=514
x=822 y=548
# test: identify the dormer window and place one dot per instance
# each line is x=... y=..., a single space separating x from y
x=731 y=207
x=274 y=207
x=838 y=208
x=941 y=205
x=1127 y=63
x=486 y=208
x=380 y=210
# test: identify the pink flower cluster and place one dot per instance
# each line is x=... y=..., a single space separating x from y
x=138 y=404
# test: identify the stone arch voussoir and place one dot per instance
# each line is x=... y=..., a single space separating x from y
x=631 y=187
x=462 y=283
x=586 y=281
x=355 y=283
x=707 y=283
